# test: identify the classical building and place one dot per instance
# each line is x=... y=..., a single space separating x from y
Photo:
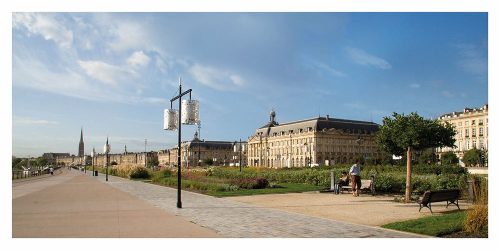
x=312 y=142
x=81 y=151
x=471 y=126
x=52 y=157
x=196 y=152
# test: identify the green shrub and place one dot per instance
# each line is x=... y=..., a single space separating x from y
x=139 y=173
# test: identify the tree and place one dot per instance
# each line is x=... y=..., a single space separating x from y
x=15 y=161
x=401 y=133
x=40 y=161
x=449 y=158
x=472 y=157
x=427 y=157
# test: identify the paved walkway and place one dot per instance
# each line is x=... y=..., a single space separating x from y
x=235 y=219
x=72 y=204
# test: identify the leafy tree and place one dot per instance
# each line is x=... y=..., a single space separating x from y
x=401 y=133
x=15 y=161
x=40 y=161
x=472 y=157
x=427 y=157
x=449 y=158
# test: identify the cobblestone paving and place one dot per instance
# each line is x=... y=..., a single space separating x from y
x=235 y=219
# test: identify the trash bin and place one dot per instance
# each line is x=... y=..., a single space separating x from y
x=96 y=173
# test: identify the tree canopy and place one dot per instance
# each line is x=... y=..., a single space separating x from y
x=400 y=132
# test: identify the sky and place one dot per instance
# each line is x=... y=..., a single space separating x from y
x=113 y=74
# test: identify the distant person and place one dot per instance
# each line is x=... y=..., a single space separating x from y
x=355 y=173
x=51 y=171
x=343 y=181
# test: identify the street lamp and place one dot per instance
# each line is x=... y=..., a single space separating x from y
x=145 y=153
x=92 y=154
x=107 y=148
x=188 y=115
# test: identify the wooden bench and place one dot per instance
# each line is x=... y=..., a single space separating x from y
x=366 y=185
x=450 y=196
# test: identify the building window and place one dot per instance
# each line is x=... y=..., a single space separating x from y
x=481 y=144
x=480 y=131
x=474 y=144
x=481 y=122
x=468 y=146
x=466 y=123
x=473 y=132
x=473 y=122
x=467 y=134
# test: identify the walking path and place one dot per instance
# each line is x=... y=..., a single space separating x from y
x=235 y=219
x=76 y=205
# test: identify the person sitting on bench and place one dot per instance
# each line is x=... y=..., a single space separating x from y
x=344 y=180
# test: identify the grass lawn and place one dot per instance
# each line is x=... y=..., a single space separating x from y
x=434 y=225
x=283 y=188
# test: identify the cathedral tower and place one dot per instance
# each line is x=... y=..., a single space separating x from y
x=81 y=151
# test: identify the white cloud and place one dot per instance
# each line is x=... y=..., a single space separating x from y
x=45 y=25
x=101 y=71
x=138 y=58
x=129 y=35
x=31 y=121
x=363 y=58
x=215 y=78
x=473 y=60
x=328 y=69
x=414 y=85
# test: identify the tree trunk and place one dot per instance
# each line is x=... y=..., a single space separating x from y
x=408 y=175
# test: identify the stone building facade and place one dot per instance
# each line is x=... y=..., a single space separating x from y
x=196 y=152
x=312 y=142
x=100 y=159
x=471 y=126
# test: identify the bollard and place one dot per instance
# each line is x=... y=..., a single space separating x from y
x=332 y=181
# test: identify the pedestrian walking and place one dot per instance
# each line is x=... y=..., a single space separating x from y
x=51 y=170
x=355 y=173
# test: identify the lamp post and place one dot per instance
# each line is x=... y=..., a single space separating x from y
x=189 y=116
x=107 y=148
x=145 y=153
x=199 y=143
x=92 y=154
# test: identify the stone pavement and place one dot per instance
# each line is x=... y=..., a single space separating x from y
x=76 y=205
x=235 y=219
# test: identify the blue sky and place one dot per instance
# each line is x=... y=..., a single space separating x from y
x=113 y=74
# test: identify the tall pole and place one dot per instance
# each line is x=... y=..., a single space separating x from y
x=240 y=153
x=107 y=158
x=179 y=203
x=145 y=154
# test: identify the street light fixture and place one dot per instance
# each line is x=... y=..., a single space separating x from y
x=188 y=115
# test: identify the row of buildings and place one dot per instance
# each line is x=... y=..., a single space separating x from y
x=311 y=142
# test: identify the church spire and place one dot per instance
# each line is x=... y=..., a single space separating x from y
x=81 y=151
